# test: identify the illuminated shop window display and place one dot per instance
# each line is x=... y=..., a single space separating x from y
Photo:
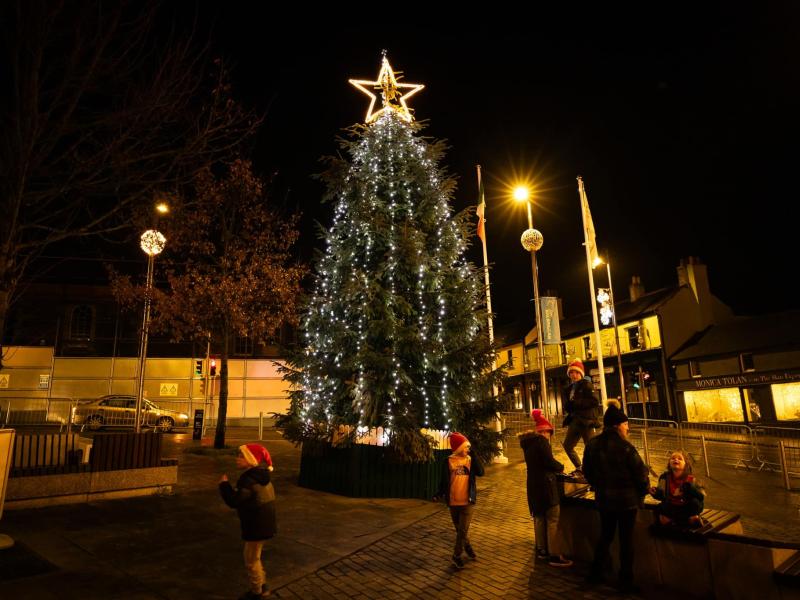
x=786 y=397
x=709 y=406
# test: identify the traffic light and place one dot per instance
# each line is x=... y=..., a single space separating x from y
x=213 y=367
x=645 y=377
x=634 y=378
x=198 y=368
x=203 y=387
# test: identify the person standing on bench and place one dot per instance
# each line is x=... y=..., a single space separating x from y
x=681 y=495
x=619 y=477
x=583 y=412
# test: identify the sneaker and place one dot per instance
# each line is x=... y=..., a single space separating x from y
x=559 y=561
x=470 y=552
x=458 y=562
x=542 y=555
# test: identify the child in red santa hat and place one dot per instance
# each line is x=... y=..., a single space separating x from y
x=254 y=500
x=458 y=488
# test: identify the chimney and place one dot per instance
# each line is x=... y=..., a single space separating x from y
x=697 y=279
x=683 y=276
x=636 y=289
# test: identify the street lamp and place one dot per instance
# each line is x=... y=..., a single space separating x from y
x=532 y=240
x=610 y=301
x=152 y=243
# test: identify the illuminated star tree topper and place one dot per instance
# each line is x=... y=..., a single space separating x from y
x=393 y=94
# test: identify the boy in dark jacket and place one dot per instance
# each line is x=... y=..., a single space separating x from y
x=254 y=500
x=542 y=487
x=459 y=490
x=583 y=412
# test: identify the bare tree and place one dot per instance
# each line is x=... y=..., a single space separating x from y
x=106 y=107
x=232 y=273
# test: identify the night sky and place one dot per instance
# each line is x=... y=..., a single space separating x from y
x=680 y=124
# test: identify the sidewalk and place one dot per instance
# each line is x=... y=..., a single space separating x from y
x=187 y=545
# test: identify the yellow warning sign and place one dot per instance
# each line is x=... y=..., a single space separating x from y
x=168 y=389
x=4 y=379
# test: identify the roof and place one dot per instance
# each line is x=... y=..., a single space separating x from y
x=745 y=334
x=510 y=333
x=626 y=311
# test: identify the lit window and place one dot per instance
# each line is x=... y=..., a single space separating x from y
x=633 y=338
x=510 y=360
x=712 y=406
x=587 y=346
x=786 y=397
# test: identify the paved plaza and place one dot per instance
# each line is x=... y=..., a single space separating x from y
x=187 y=545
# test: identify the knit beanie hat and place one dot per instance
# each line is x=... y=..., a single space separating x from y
x=457 y=440
x=542 y=424
x=576 y=365
x=614 y=415
x=254 y=454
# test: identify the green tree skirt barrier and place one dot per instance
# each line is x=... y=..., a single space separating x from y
x=364 y=471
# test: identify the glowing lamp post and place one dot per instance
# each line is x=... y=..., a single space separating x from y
x=532 y=241
x=152 y=243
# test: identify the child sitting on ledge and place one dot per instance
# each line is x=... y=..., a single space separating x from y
x=680 y=494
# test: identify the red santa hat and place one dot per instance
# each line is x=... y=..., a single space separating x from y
x=542 y=424
x=254 y=454
x=576 y=365
x=457 y=440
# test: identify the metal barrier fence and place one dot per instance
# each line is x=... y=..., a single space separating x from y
x=28 y=412
x=655 y=439
x=768 y=449
x=726 y=443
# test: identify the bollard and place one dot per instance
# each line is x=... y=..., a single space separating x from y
x=784 y=468
x=705 y=455
x=260 y=426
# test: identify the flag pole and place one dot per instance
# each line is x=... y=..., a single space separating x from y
x=500 y=458
x=591 y=248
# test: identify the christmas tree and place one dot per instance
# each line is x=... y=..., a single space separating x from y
x=393 y=334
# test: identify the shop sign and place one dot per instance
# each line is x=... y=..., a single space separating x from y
x=44 y=381
x=168 y=389
x=4 y=380
x=741 y=379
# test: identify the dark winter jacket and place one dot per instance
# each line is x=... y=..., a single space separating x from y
x=542 y=468
x=615 y=470
x=254 y=500
x=691 y=488
x=582 y=405
x=475 y=470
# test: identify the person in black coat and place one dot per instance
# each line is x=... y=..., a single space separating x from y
x=542 y=487
x=615 y=470
x=254 y=501
x=583 y=412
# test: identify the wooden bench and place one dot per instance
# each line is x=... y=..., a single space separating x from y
x=713 y=521
x=788 y=572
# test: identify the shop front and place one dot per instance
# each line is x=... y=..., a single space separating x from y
x=753 y=398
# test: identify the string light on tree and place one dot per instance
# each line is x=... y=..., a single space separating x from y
x=392 y=330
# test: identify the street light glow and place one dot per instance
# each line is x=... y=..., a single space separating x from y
x=162 y=207
x=521 y=193
x=597 y=262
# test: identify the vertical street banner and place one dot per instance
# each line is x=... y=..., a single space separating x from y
x=551 y=328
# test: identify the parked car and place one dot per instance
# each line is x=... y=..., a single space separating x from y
x=120 y=411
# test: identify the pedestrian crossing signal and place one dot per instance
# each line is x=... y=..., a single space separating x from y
x=198 y=368
x=213 y=367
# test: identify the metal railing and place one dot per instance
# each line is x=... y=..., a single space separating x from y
x=768 y=449
x=31 y=412
x=727 y=443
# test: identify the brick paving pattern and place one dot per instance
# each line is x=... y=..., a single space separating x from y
x=414 y=562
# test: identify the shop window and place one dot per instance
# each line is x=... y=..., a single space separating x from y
x=633 y=338
x=694 y=369
x=517 y=398
x=786 y=397
x=746 y=362
x=713 y=406
x=563 y=347
x=80 y=325
x=510 y=359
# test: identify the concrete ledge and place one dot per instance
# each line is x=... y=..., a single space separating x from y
x=71 y=488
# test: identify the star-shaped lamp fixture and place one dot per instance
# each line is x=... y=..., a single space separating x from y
x=393 y=94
